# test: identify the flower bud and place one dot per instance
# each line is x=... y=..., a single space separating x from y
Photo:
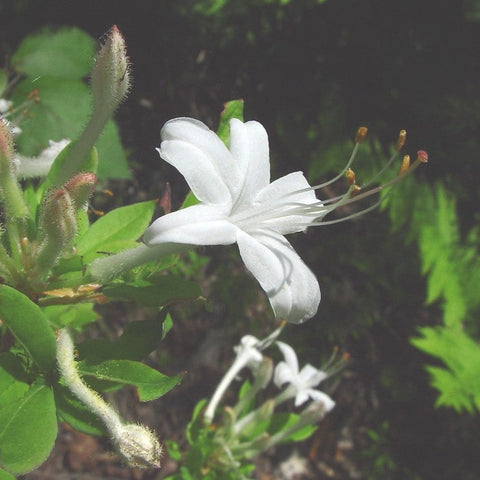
x=10 y=191
x=111 y=74
x=80 y=188
x=138 y=446
x=58 y=226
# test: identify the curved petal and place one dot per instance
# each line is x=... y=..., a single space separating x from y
x=291 y=287
x=290 y=192
x=249 y=147
x=318 y=396
x=197 y=225
x=283 y=374
x=201 y=176
x=289 y=355
x=205 y=148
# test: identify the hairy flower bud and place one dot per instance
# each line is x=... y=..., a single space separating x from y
x=138 y=446
x=80 y=188
x=111 y=74
x=58 y=226
x=10 y=192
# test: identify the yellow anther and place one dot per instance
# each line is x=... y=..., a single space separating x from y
x=350 y=175
x=402 y=136
x=361 y=134
x=405 y=165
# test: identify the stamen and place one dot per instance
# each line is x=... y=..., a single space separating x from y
x=350 y=174
x=361 y=134
x=402 y=137
x=405 y=165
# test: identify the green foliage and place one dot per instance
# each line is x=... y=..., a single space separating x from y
x=54 y=64
x=28 y=428
x=452 y=267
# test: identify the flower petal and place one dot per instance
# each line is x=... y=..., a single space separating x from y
x=291 y=191
x=201 y=157
x=318 y=396
x=291 y=287
x=289 y=355
x=249 y=147
x=283 y=374
x=197 y=225
x=309 y=376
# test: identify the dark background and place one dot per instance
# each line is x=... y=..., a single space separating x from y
x=322 y=68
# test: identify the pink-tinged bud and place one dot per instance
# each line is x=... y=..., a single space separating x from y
x=10 y=192
x=80 y=188
x=166 y=200
x=6 y=147
x=58 y=226
x=111 y=75
x=422 y=156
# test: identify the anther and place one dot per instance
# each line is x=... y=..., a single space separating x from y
x=405 y=165
x=350 y=175
x=361 y=134
x=422 y=156
x=402 y=136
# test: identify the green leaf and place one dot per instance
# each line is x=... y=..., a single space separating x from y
x=112 y=159
x=75 y=413
x=137 y=341
x=75 y=316
x=150 y=383
x=166 y=289
x=68 y=53
x=232 y=109
x=6 y=476
x=28 y=429
x=117 y=230
x=62 y=111
x=13 y=379
x=29 y=326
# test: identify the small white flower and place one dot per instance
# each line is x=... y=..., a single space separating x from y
x=240 y=205
x=301 y=382
x=29 y=167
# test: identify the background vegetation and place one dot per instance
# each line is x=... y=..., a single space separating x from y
x=396 y=283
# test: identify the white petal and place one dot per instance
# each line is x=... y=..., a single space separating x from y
x=201 y=176
x=291 y=287
x=294 y=190
x=283 y=374
x=318 y=396
x=197 y=225
x=249 y=147
x=309 y=376
x=302 y=397
x=289 y=355
x=207 y=152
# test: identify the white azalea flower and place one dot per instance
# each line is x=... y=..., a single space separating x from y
x=301 y=382
x=240 y=205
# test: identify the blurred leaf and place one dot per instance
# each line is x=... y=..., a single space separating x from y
x=164 y=290
x=29 y=325
x=115 y=231
x=75 y=316
x=150 y=383
x=28 y=429
x=68 y=53
x=6 y=476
